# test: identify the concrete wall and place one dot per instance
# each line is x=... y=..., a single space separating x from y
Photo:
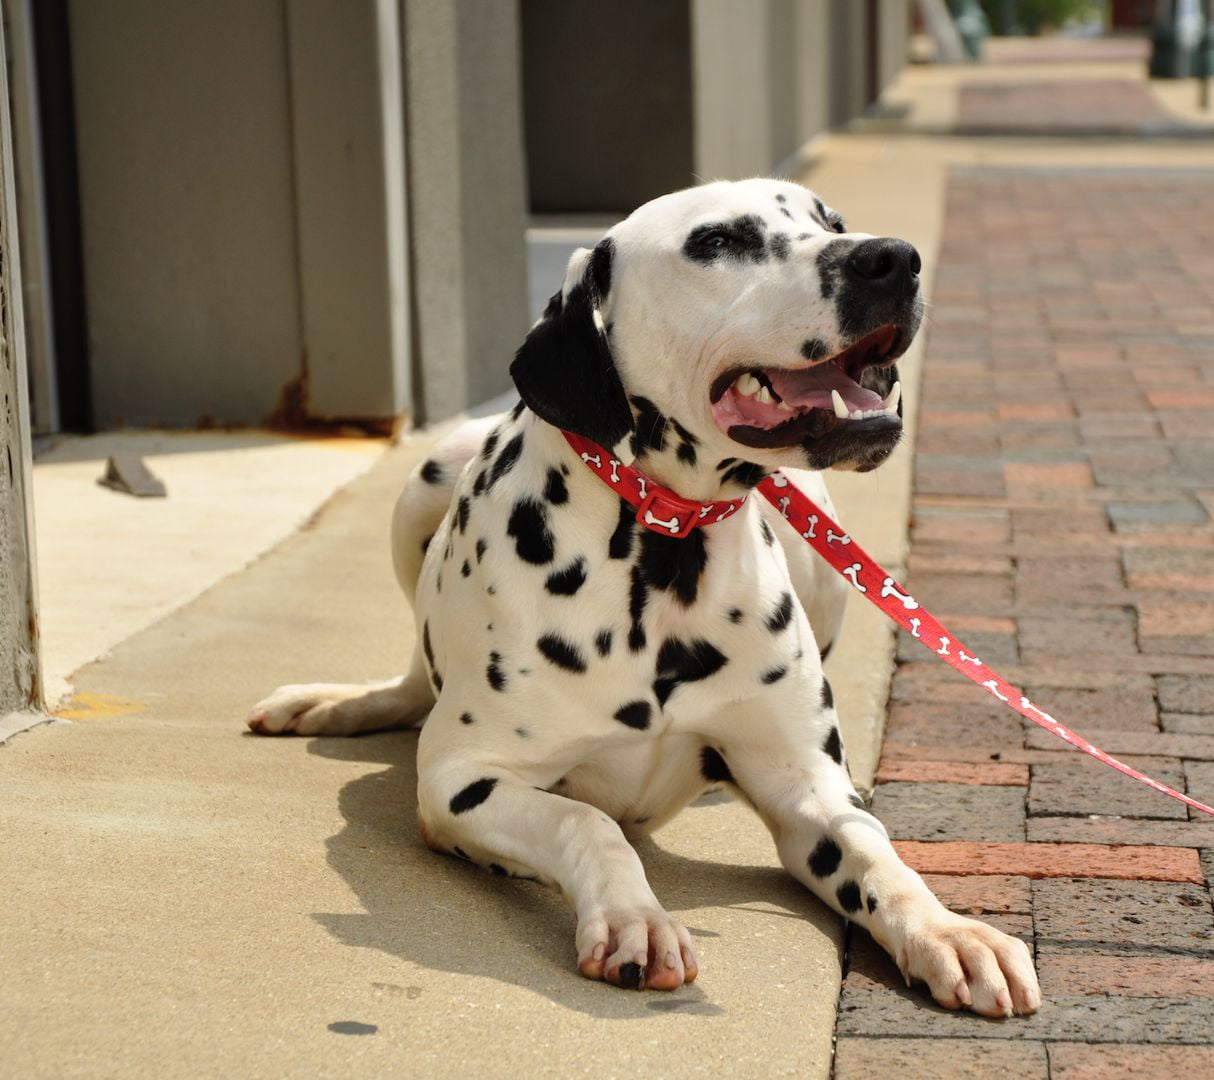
x=607 y=97
x=187 y=203
x=467 y=195
x=19 y=669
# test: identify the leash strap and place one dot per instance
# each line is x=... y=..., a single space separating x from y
x=829 y=540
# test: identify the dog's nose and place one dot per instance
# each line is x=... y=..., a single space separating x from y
x=886 y=263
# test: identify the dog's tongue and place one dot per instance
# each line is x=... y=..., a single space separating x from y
x=810 y=388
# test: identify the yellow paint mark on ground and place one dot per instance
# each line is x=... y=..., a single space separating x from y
x=99 y=707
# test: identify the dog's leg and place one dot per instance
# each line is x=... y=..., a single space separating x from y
x=826 y=838
x=501 y=821
x=344 y=709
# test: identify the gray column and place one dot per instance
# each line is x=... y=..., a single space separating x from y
x=466 y=184
x=20 y=673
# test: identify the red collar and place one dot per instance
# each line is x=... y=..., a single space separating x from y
x=659 y=509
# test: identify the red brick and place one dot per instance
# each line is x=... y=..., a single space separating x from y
x=1080 y=630
x=1187 y=398
x=1085 y=1061
x=939 y=1059
x=1142 y=915
x=1081 y=785
x=1052 y=860
x=1021 y=477
x=1071 y=971
x=982 y=594
x=1033 y=411
x=991 y=893
x=1126 y=709
x=953 y=772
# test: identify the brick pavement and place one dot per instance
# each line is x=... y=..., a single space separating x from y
x=1062 y=527
x=1113 y=106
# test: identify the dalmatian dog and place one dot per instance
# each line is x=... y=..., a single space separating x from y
x=583 y=677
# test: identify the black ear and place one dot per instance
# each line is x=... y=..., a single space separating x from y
x=564 y=370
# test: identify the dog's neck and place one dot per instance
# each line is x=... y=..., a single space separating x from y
x=679 y=460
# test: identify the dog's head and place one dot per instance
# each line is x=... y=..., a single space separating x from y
x=737 y=319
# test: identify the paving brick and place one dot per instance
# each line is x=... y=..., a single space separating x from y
x=1083 y=1061
x=1065 y=579
x=1036 y=523
x=1141 y=914
x=953 y=772
x=1114 y=831
x=1080 y=785
x=1169 y=568
x=1120 y=743
x=932 y=811
x=1066 y=971
x=1186 y=693
x=960 y=527
x=1052 y=860
x=998 y=649
x=982 y=594
x=951 y=724
x=1123 y=709
x=939 y=1059
x=1080 y=630
x=993 y=893
x=1176 y=626
x=1180 y=513
x=1188 y=723
x=972 y=478
x=1068 y=477
x=1199 y=783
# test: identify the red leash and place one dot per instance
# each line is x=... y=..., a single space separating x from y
x=667 y=514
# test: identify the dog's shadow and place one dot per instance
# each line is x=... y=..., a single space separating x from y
x=447 y=915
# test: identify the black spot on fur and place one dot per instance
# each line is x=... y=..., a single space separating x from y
x=505 y=460
x=745 y=473
x=638 y=596
x=672 y=565
x=814 y=349
x=498 y=870
x=438 y=680
x=872 y=903
x=834 y=746
x=781 y=198
x=826 y=652
x=769 y=537
x=781 y=614
x=473 y=795
x=687 y=443
x=774 y=675
x=687 y=453
x=517 y=411
x=555 y=490
x=466 y=569
x=490 y=444
x=467 y=718
x=620 y=545
x=528 y=526
x=825 y=858
x=779 y=245
x=828 y=695
x=650 y=425
x=631 y=975
x=848 y=895
x=480 y=549
x=566 y=582
x=522 y=733
x=724 y=463
x=432 y=472
x=461 y=513
x=735 y=615
x=684 y=661
x=426 y=543
x=830 y=264
x=478 y=488
x=683 y=433
x=561 y=653
x=426 y=649
x=634 y=715
x=739 y=240
x=856 y=801
x=713 y=767
x=602 y=642
x=494 y=672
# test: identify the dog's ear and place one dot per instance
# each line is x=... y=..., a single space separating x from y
x=564 y=371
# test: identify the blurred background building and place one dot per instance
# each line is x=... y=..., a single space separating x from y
x=251 y=211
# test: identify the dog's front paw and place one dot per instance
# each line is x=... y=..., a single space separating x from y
x=967 y=964
x=304 y=709
x=636 y=948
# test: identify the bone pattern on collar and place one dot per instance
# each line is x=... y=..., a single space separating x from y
x=658 y=508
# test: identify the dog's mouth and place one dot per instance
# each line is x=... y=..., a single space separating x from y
x=769 y=407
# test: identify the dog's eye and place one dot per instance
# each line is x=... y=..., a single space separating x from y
x=716 y=240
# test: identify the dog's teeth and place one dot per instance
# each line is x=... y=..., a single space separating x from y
x=747 y=385
x=783 y=407
x=840 y=408
x=855 y=414
x=890 y=404
x=764 y=395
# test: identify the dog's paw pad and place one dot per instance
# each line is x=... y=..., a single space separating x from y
x=637 y=949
